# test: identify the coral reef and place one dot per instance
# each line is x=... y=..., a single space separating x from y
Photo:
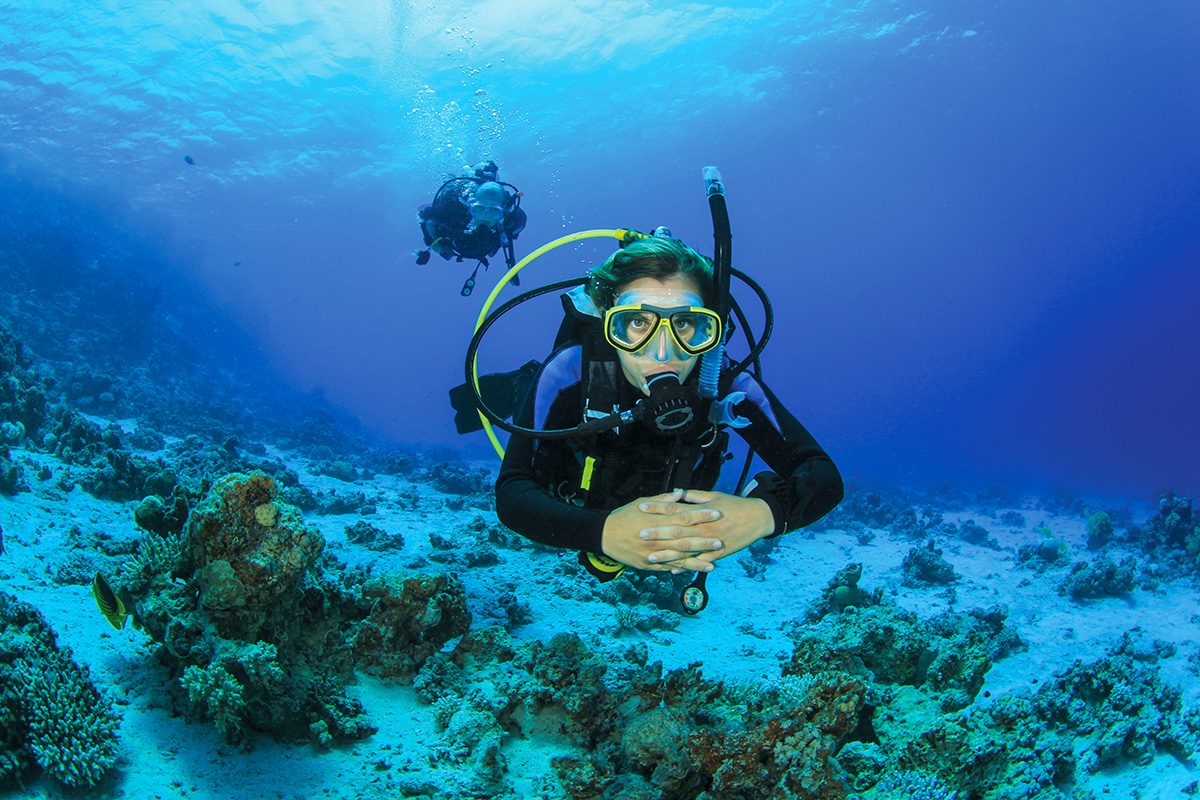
x=12 y=476
x=373 y=538
x=1108 y=713
x=409 y=621
x=251 y=552
x=925 y=566
x=1047 y=552
x=52 y=717
x=636 y=731
x=843 y=592
x=947 y=656
x=1100 y=530
x=254 y=634
x=23 y=392
x=1100 y=578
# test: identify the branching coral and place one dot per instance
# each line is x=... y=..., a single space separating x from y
x=53 y=717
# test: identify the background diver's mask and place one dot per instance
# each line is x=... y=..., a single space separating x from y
x=488 y=208
x=694 y=329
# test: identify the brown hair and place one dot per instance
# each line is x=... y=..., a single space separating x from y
x=652 y=257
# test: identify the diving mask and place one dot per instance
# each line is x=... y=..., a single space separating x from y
x=695 y=329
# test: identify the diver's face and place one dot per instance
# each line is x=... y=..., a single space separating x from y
x=661 y=353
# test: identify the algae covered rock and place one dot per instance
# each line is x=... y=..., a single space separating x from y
x=947 y=655
x=251 y=549
x=409 y=620
x=927 y=567
x=843 y=592
x=1100 y=578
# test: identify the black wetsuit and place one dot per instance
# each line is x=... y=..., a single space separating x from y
x=538 y=477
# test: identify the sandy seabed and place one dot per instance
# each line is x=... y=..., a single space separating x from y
x=741 y=636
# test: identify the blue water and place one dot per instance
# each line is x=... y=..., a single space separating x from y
x=979 y=222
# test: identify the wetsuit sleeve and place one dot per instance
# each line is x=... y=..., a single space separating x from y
x=525 y=506
x=803 y=484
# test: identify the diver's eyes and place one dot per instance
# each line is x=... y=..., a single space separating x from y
x=640 y=322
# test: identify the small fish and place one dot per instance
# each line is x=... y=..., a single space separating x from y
x=1 y=541
x=190 y=160
x=237 y=263
x=109 y=604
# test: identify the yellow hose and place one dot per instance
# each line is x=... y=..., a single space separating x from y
x=617 y=233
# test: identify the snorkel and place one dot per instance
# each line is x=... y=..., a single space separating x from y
x=711 y=362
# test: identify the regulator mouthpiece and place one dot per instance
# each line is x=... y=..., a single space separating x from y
x=671 y=408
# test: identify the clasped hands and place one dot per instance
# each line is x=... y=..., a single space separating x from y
x=684 y=530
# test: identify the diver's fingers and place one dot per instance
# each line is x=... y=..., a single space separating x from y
x=683 y=549
x=668 y=533
x=678 y=514
x=681 y=539
x=685 y=563
x=672 y=496
x=698 y=496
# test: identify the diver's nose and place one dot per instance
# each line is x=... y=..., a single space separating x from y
x=662 y=348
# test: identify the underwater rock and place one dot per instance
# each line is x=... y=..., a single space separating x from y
x=1100 y=578
x=398 y=463
x=859 y=511
x=108 y=471
x=914 y=523
x=1013 y=519
x=145 y=437
x=341 y=469
x=946 y=656
x=90 y=390
x=248 y=560
x=1100 y=530
x=457 y=479
x=644 y=620
x=974 y=533
x=410 y=619
x=12 y=475
x=843 y=592
x=329 y=502
x=926 y=567
x=373 y=538
x=154 y=515
x=12 y=433
x=52 y=717
x=1170 y=533
x=1121 y=706
x=1045 y=553
x=637 y=589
